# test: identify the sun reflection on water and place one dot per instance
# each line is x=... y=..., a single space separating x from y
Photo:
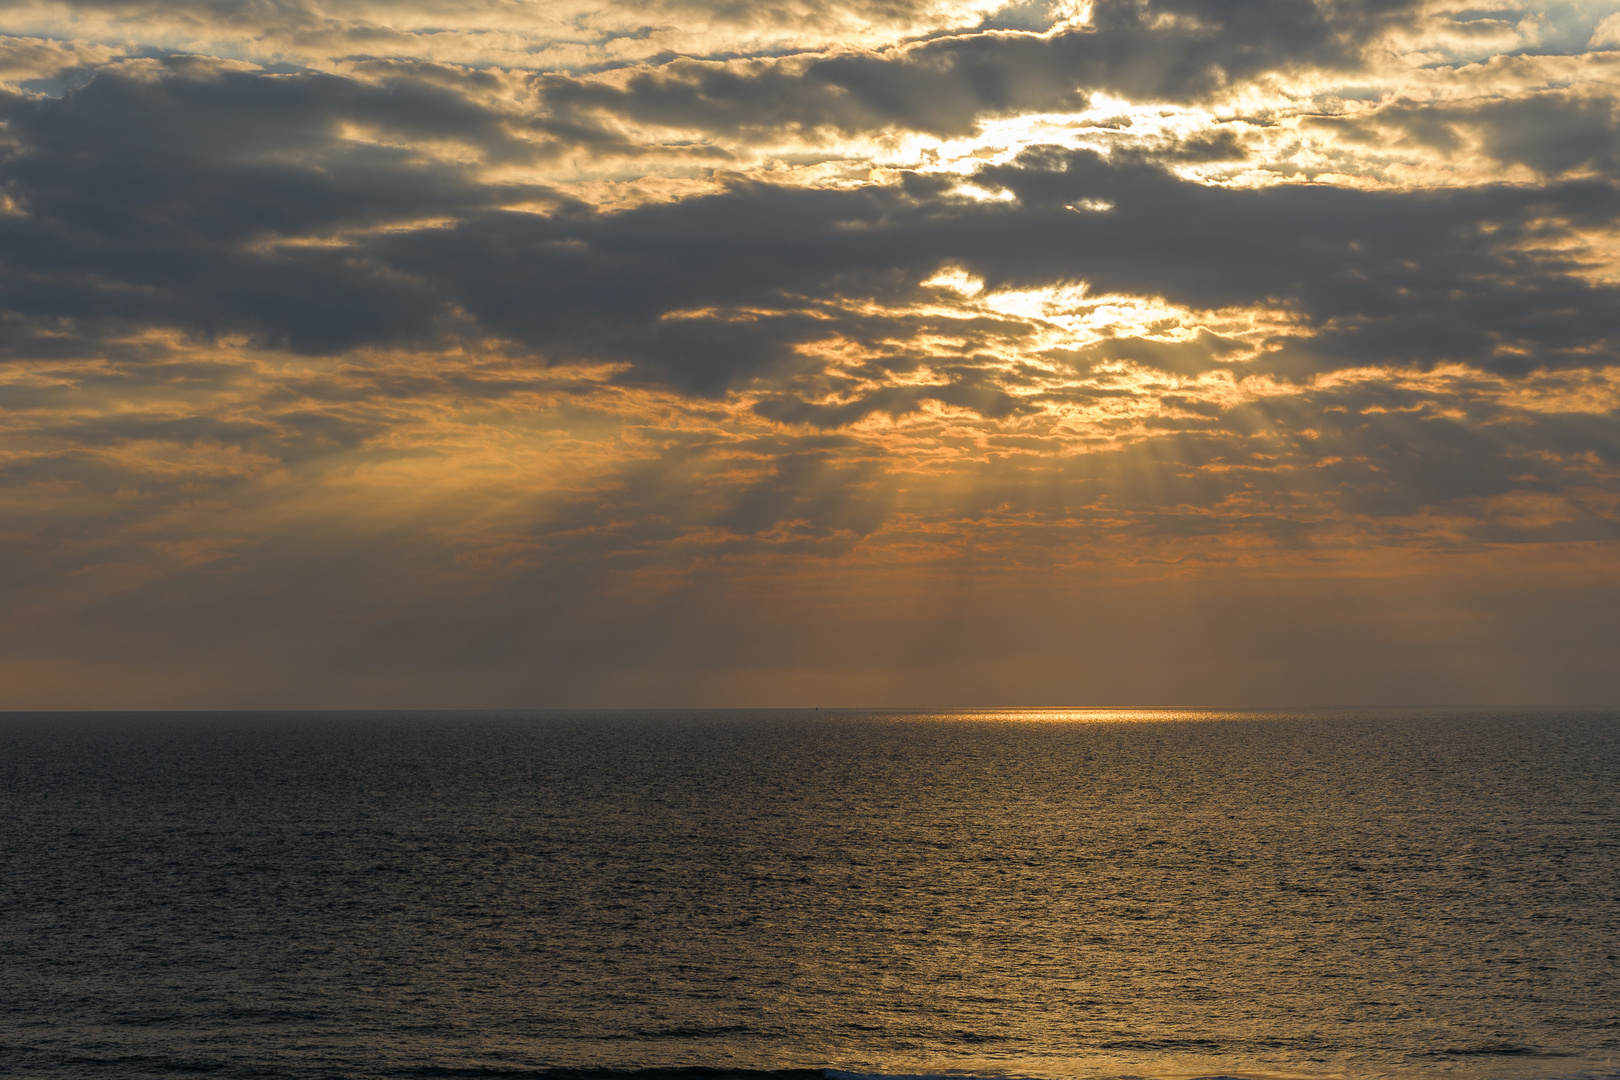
x=1047 y=715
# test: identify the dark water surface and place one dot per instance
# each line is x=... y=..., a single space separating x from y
x=1035 y=894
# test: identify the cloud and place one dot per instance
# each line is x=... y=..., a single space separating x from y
x=513 y=33
x=218 y=201
x=1552 y=133
x=179 y=195
x=698 y=346
x=1154 y=51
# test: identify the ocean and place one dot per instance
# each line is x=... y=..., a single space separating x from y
x=734 y=894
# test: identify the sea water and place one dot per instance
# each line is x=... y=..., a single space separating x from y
x=1042 y=894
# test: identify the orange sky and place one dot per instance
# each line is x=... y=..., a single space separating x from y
x=1259 y=352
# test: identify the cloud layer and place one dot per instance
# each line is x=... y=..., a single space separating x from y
x=381 y=354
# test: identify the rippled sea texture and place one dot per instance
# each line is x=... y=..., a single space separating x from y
x=299 y=896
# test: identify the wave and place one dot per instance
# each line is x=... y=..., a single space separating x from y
x=693 y=1031
x=694 y=1072
x=700 y=1072
x=1500 y=1050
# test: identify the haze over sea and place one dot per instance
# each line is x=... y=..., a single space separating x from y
x=1013 y=893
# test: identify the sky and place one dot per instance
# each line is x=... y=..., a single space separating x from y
x=550 y=353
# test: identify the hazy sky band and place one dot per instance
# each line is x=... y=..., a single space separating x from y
x=941 y=353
